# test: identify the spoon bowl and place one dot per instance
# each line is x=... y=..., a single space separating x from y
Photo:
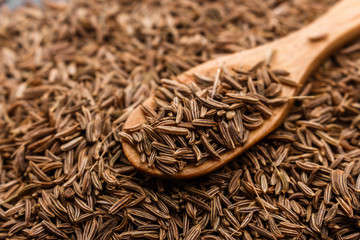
x=299 y=54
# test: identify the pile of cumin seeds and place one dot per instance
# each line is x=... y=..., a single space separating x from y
x=67 y=66
x=196 y=122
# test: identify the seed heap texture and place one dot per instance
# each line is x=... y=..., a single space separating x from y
x=194 y=122
x=64 y=66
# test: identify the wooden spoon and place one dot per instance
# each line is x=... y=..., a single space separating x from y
x=299 y=53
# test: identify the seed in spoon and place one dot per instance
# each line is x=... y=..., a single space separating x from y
x=206 y=118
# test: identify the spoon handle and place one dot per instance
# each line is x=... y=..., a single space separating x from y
x=336 y=27
x=296 y=52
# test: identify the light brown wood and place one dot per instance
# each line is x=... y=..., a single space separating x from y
x=294 y=53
